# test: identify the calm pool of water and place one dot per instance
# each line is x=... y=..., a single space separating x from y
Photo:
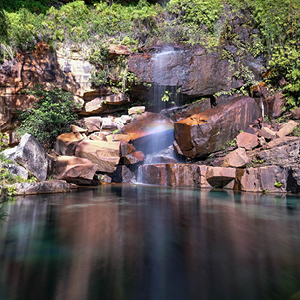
x=143 y=242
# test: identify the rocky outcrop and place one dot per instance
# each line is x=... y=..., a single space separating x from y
x=31 y=155
x=45 y=187
x=207 y=132
x=196 y=71
x=67 y=142
x=75 y=170
x=104 y=154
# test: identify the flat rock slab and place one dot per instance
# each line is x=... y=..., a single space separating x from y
x=105 y=154
x=247 y=140
x=64 y=141
x=75 y=169
x=287 y=128
x=207 y=132
x=44 y=187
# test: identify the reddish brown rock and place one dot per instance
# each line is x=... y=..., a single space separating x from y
x=77 y=129
x=277 y=103
x=267 y=133
x=161 y=159
x=98 y=137
x=106 y=155
x=203 y=181
x=247 y=140
x=116 y=50
x=136 y=110
x=134 y=158
x=236 y=159
x=219 y=176
x=153 y=174
x=92 y=124
x=208 y=131
x=125 y=148
x=295 y=114
x=66 y=142
x=100 y=104
x=118 y=137
x=287 y=128
x=270 y=179
x=75 y=170
x=183 y=175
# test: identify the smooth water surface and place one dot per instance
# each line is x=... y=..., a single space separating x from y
x=143 y=242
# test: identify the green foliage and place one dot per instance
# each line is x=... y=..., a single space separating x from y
x=278 y=184
x=231 y=143
x=50 y=117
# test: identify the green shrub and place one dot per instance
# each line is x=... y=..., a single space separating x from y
x=50 y=117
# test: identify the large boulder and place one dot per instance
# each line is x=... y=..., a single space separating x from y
x=105 y=154
x=236 y=159
x=75 y=169
x=219 y=176
x=207 y=132
x=31 y=155
x=152 y=174
x=66 y=143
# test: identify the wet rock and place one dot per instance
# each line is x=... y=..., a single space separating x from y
x=219 y=176
x=153 y=174
x=66 y=142
x=160 y=159
x=287 y=128
x=183 y=175
x=207 y=132
x=45 y=187
x=133 y=158
x=179 y=113
x=125 y=148
x=236 y=159
x=264 y=179
x=198 y=72
x=75 y=170
x=124 y=174
x=136 y=110
x=150 y=132
x=106 y=155
x=31 y=155
x=247 y=140
x=267 y=133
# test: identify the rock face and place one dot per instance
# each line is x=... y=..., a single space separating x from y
x=208 y=131
x=75 y=170
x=104 y=154
x=31 y=155
x=264 y=179
x=197 y=72
x=183 y=175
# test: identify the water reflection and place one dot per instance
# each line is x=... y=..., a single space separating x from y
x=135 y=242
x=3 y=213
